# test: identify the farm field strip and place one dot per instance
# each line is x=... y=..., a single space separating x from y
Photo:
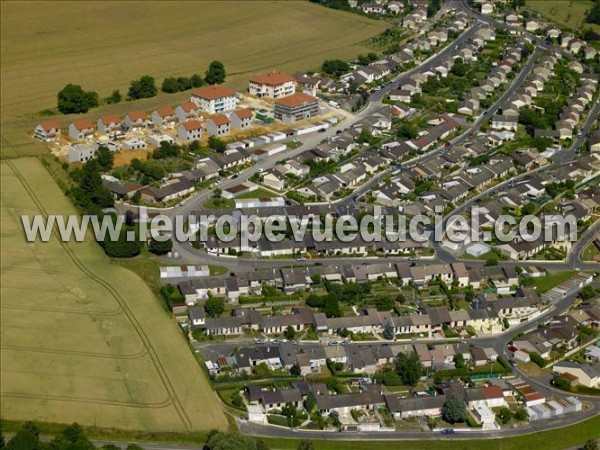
x=56 y=358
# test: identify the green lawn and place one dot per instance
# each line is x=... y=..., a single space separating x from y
x=566 y=13
x=589 y=253
x=550 y=440
x=553 y=279
x=218 y=203
x=258 y=193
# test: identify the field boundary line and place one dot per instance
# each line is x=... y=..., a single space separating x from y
x=118 y=298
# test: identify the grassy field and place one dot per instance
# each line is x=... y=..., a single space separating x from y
x=568 y=13
x=112 y=43
x=559 y=439
x=553 y=279
x=83 y=338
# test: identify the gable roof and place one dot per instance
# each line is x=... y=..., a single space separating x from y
x=212 y=92
x=297 y=99
x=272 y=78
x=192 y=125
x=83 y=124
x=111 y=118
x=220 y=120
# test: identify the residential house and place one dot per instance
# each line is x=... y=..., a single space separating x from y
x=214 y=99
x=241 y=119
x=164 y=117
x=218 y=125
x=272 y=85
x=190 y=131
x=296 y=107
x=48 y=131
x=187 y=111
x=81 y=130
x=136 y=121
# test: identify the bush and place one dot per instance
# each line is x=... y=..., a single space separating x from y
x=169 y=85
x=160 y=247
x=537 y=359
x=72 y=99
x=115 y=97
x=142 y=88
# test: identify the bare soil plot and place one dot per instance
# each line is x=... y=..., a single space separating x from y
x=83 y=338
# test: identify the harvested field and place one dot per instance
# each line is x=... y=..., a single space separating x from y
x=83 y=338
x=112 y=43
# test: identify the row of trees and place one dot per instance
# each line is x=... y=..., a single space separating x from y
x=73 y=99
x=171 y=85
x=71 y=437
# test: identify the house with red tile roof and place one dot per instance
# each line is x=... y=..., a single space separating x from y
x=241 y=118
x=109 y=124
x=164 y=117
x=296 y=107
x=272 y=85
x=48 y=130
x=214 y=99
x=218 y=125
x=136 y=120
x=190 y=131
x=81 y=130
x=187 y=111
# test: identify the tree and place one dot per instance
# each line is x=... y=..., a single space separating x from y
x=196 y=80
x=334 y=416
x=115 y=97
x=184 y=83
x=332 y=307
x=72 y=99
x=27 y=438
x=407 y=131
x=73 y=438
x=215 y=73
x=310 y=402
x=289 y=332
x=588 y=292
x=594 y=14
x=537 y=359
x=454 y=409
x=335 y=67
x=459 y=361
x=289 y=411
x=122 y=247
x=296 y=370
x=105 y=158
x=491 y=262
x=592 y=444
x=133 y=447
x=142 y=88
x=305 y=445
x=217 y=144
x=388 y=331
x=521 y=414
x=160 y=247
x=409 y=368
x=237 y=400
x=504 y=415
x=214 y=307
x=528 y=209
x=169 y=85
x=384 y=303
